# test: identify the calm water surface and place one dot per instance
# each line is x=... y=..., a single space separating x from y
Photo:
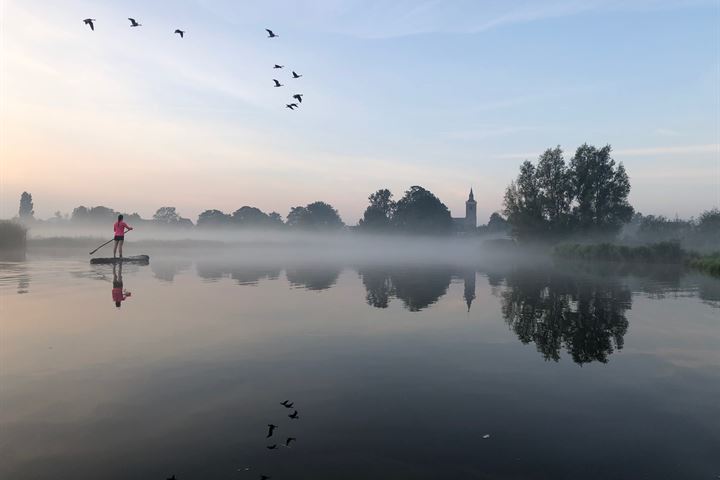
x=397 y=371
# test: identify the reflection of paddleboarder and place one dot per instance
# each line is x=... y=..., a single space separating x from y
x=118 y=293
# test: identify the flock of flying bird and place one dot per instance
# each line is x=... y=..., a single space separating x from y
x=271 y=431
x=298 y=96
x=295 y=76
x=272 y=427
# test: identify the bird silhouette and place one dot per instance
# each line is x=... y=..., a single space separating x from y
x=271 y=429
x=295 y=75
x=298 y=97
x=180 y=32
x=89 y=21
x=287 y=404
x=134 y=23
x=277 y=84
x=264 y=477
x=294 y=415
x=291 y=106
x=272 y=447
x=172 y=478
x=278 y=66
x=290 y=439
x=271 y=34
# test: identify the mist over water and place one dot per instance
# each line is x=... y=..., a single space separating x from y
x=399 y=356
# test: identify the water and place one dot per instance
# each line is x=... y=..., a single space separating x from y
x=397 y=371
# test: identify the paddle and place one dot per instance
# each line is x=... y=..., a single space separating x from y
x=103 y=245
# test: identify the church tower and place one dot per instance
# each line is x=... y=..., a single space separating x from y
x=471 y=211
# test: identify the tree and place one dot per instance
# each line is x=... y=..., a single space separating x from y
x=419 y=211
x=708 y=228
x=523 y=203
x=378 y=215
x=250 y=217
x=315 y=216
x=213 y=218
x=79 y=214
x=295 y=216
x=497 y=223
x=166 y=215
x=601 y=190
x=555 y=193
x=26 y=212
x=589 y=196
x=275 y=219
x=97 y=214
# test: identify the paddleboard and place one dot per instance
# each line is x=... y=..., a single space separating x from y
x=134 y=259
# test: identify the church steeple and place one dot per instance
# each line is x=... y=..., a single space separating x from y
x=471 y=211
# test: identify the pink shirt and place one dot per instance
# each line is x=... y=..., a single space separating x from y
x=120 y=228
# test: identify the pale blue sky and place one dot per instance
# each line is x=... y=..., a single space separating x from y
x=445 y=94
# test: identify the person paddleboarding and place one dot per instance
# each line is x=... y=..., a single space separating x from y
x=120 y=228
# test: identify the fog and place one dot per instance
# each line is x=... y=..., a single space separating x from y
x=273 y=246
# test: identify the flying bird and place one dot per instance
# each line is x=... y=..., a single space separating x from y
x=298 y=97
x=295 y=75
x=89 y=21
x=134 y=23
x=180 y=32
x=294 y=415
x=271 y=429
x=290 y=439
x=272 y=447
x=172 y=478
x=264 y=477
x=279 y=66
x=271 y=34
x=291 y=106
x=277 y=84
x=287 y=404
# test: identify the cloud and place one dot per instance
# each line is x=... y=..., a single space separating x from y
x=667 y=132
x=631 y=152
x=676 y=150
x=486 y=131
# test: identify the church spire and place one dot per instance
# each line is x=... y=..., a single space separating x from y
x=471 y=198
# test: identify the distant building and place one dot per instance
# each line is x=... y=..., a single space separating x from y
x=469 y=222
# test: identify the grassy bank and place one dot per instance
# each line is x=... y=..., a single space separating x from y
x=655 y=253
x=664 y=252
x=13 y=236
x=706 y=263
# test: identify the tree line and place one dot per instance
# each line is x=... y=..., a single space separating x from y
x=419 y=211
x=551 y=200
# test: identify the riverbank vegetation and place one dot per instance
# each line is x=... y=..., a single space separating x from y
x=706 y=263
x=655 y=253
x=13 y=236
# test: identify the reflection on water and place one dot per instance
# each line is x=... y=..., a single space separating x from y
x=555 y=310
x=15 y=273
x=401 y=370
x=416 y=287
x=313 y=277
x=243 y=274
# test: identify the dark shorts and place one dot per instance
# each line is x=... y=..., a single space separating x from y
x=117 y=284
x=119 y=238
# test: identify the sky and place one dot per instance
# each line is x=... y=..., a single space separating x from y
x=447 y=94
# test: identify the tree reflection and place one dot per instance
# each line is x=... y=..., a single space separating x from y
x=242 y=274
x=586 y=317
x=416 y=287
x=313 y=277
x=166 y=269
